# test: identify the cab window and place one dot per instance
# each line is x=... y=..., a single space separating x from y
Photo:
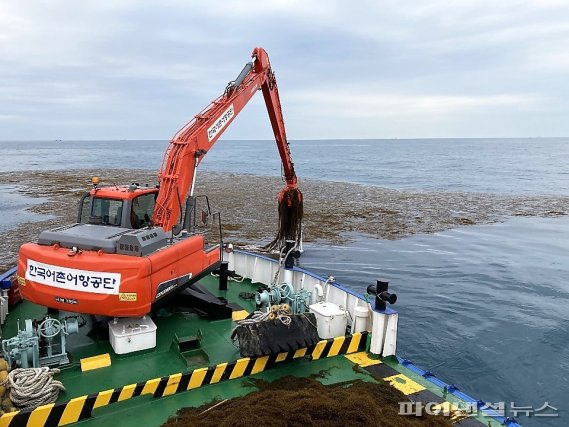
x=103 y=211
x=142 y=209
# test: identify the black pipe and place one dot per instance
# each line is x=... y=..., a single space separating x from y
x=233 y=85
x=244 y=72
x=190 y=202
x=382 y=296
x=223 y=275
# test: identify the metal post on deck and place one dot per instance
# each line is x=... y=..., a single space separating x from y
x=223 y=275
x=384 y=320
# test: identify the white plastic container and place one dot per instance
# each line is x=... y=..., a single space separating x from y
x=131 y=334
x=331 y=321
x=360 y=321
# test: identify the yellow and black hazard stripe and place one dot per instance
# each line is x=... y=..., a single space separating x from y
x=339 y=345
x=82 y=407
x=417 y=393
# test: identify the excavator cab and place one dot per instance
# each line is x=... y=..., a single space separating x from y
x=124 y=207
x=141 y=210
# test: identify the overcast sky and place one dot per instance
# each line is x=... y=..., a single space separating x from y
x=136 y=69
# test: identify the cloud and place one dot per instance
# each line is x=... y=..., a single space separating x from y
x=143 y=69
x=8 y=117
x=364 y=114
x=351 y=103
x=550 y=59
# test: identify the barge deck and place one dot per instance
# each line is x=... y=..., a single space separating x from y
x=196 y=362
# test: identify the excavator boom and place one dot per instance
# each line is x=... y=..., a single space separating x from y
x=188 y=147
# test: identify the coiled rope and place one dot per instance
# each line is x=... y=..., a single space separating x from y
x=278 y=311
x=33 y=387
x=281 y=312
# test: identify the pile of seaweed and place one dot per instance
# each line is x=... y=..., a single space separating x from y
x=305 y=402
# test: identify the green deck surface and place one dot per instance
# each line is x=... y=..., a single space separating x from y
x=165 y=359
x=155 y=412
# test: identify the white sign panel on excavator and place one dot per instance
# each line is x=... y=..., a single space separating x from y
x=73 y=279
x=221 y=122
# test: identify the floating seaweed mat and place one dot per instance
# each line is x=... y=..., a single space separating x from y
x=305 y=402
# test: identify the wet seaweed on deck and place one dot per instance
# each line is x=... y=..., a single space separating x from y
x=305 y=402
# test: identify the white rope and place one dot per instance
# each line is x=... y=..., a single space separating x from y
x=33 y=387
x=284 y=318
x=278 y=311
x=271 y=251
x=258 y=316
x=235 y=279
x=256 y=248
x=329 y=280
x=281 y=263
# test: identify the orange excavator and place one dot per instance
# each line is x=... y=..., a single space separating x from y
x=131 y=246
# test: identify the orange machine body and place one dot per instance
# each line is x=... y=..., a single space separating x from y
x=143 y=280
x=121 y=193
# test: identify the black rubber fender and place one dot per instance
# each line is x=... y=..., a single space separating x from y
x=273 y=336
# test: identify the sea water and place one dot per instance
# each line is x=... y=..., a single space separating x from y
x=484 y=307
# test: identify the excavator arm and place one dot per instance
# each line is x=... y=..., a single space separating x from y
x=190 y=144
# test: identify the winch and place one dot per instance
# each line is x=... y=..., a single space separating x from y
x=284 y=293
x=40 y=343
